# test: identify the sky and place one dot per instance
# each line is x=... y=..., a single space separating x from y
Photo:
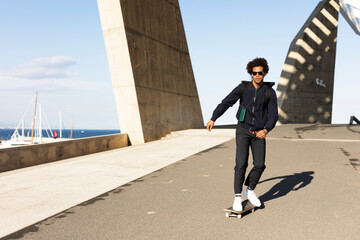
x=57 y=49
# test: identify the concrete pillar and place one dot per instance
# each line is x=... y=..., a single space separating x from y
x=150 y=67
x=305 y=89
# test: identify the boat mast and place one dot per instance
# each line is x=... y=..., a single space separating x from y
x=33 y=125
x=60 y=130
x=40 y=130
x=23 y=130
x=72 y=125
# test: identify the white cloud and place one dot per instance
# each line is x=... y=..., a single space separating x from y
x=39 y=68
x=44 y=74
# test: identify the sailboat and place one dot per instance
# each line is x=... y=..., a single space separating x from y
x=37 y=129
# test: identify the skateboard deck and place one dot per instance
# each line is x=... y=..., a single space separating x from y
x=247 y=206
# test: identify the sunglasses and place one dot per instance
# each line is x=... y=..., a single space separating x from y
x=255 y=73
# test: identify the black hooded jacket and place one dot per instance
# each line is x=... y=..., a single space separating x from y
x=259 y=115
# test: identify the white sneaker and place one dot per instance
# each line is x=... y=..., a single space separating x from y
x=249 y=194
x=237 y=206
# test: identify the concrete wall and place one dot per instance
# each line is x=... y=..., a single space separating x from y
x=151 y=72
x=305 y=89
x=26 y=156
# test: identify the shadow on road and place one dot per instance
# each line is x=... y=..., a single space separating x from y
x=288 y=183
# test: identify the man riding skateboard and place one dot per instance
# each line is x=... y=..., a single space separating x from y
x=257 y=116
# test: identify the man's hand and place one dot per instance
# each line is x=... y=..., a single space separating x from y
x=261 y=134
x=210 y=125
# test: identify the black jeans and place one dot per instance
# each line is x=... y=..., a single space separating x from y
x=244 y=140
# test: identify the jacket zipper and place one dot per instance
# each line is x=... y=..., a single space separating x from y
x=253 y=107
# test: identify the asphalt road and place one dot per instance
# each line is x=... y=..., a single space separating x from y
x=310 y=190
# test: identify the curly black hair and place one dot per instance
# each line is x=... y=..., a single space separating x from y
x=257 y=62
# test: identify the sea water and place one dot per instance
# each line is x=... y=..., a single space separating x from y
x=6 y=134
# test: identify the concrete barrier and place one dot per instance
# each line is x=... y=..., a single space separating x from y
x=26 y=156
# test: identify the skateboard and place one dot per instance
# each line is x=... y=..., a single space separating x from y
x=247 y=206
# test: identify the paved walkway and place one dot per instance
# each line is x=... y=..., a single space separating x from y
x=310 y=190
x=32 y=194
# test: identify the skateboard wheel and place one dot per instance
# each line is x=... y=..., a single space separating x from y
x=227 y=214
x=239 y=216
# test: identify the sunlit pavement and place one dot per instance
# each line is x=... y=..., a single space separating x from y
x=310 y=190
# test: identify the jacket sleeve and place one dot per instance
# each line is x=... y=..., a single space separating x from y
x=272 y=112
x=227 y=102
